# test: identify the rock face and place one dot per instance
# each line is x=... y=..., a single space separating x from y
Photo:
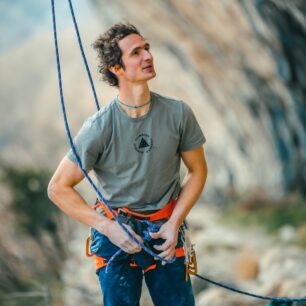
x=240 y=64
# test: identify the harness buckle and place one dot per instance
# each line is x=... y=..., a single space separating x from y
x=122 y=212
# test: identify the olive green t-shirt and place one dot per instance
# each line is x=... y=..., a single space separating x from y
x=137 y=160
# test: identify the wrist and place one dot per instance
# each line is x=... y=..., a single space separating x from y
x=104 y=226
x=174 y=222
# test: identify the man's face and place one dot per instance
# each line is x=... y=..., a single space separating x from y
x=137 y=60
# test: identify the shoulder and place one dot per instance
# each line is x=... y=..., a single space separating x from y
x=174 y=105
x=166 y=100
x=169 y=103
x=102 y=117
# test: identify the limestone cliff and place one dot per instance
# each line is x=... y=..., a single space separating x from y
x=240 y=64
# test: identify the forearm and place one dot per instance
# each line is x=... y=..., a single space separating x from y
x=73 y=205
x=190 y=192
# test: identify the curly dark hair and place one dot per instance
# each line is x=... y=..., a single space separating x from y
x=109 y=52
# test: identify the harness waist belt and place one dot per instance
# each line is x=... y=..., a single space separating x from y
x=163 y=213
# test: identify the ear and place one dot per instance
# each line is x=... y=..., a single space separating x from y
x=114 y=69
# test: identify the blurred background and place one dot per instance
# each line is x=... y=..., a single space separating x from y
x=239 y=64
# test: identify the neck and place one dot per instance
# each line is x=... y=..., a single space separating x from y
x=135 y=96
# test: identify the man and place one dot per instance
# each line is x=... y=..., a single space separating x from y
x=134 y=145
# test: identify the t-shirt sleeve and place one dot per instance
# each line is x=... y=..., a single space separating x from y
x=191 y=135
x=87 y=144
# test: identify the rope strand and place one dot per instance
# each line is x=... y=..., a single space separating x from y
x=83 y=54
x=262 y=297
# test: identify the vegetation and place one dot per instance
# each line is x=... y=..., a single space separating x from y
x=272 y=215
x=30 y=203
x=34 y=218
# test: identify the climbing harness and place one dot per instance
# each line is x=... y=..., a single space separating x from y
x=141 y=224
x=143 y=228
x=191 y=257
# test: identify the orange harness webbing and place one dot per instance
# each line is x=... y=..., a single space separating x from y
x=100 y=262
x=163 y=213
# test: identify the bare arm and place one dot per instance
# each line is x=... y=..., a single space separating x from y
x=190 y=192
x=193 y=184
x=62 y=193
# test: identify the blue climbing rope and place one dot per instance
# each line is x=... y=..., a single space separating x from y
x=269 y=298
x=153 y=228
x=262 y=297
x=83 y=55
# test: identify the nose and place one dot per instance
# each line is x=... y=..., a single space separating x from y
x=147 y=55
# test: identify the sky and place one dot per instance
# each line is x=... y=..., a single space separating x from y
x=20 y=19
x=28 y=77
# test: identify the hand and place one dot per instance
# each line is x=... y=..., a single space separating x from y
x=120 y=238
x=169 y=232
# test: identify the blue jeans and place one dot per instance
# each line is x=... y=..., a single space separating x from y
x=121 y=285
